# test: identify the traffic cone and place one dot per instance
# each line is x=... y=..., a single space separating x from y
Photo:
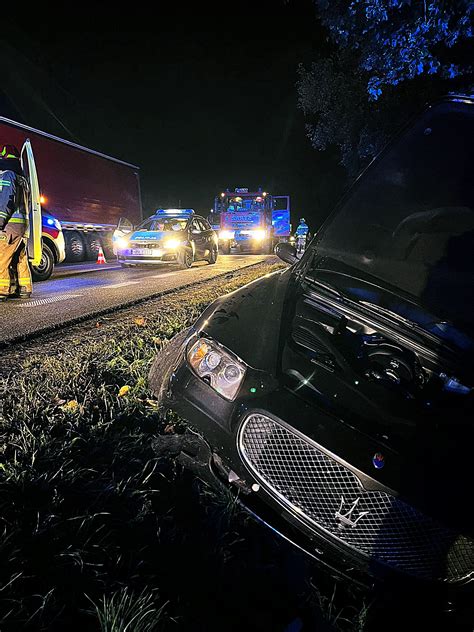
x=100 y=256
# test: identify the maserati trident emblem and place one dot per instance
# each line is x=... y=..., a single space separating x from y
x=346 y=519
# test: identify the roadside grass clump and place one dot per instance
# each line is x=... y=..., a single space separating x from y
x=125 y=612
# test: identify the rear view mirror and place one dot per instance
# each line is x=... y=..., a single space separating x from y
x=286 y=252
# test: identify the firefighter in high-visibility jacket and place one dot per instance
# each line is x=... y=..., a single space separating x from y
x=15 y=275
x=302 y=235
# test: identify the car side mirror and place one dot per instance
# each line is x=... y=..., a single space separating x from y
x=286 y=252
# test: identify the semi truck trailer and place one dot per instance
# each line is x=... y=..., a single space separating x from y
x=84 y=194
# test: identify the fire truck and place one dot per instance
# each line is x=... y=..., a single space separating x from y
x=250 y=221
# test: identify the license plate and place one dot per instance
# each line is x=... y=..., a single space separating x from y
x=147 y=252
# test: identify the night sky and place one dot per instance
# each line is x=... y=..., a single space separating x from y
x=201 y=99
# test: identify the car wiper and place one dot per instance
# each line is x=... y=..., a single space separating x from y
x=402 y=320
x=324 y=286
x=391 y=314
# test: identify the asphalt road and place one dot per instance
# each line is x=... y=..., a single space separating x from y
x=78 y=291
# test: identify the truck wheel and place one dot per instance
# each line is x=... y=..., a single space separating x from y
x=92 y=242
x=75 y=247
x=186 y=258
x=43 y=271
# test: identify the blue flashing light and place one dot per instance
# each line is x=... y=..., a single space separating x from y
x=173 y=212
x=50 y=221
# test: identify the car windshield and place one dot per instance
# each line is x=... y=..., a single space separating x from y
x=164 y=225
x=408 y=224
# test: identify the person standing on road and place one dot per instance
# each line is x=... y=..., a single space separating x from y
x=15 y=275
x=302 y=233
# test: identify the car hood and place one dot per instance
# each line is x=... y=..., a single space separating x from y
x=407 y=224
x=149 y=235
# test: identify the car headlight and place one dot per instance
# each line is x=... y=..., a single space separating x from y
x=172 y=243
x=121 y=242
x=259 y=235
x=216 y=366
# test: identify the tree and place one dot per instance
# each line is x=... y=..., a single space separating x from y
x=388 y=58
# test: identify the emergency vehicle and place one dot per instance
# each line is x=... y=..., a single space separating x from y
x=168 y=236
x=84 y=192
x=251 y=221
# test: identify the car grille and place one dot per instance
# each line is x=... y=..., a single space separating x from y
x=145 y=244
x=327 y=495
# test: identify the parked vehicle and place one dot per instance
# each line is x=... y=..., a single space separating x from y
x=251 y=222
x=86 y=191
x=168 y=236
x=336 y=397
x=53 y=248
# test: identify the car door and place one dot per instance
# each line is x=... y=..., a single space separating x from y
x=198 y=237
x=210 y=236
x=35 y=240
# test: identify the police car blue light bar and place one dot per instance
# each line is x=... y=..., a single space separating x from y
x=173 y=212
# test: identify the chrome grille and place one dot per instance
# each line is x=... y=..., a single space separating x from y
x=145 y=244
x=328 y=495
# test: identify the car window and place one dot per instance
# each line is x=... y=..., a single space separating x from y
x=205 y=225
x=145 y=225
x=196 y=225
x=168 y=225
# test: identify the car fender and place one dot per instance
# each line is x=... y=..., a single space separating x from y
x=247 y=321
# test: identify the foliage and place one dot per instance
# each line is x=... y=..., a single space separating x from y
x=124 y=611
x=388 y=57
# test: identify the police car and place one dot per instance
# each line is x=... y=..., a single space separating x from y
x=169 y=235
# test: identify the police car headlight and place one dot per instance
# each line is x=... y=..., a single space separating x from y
x=121 y=242
x=171 y=244
x=217 y=366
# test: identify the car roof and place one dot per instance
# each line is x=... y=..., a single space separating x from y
x=177 y=216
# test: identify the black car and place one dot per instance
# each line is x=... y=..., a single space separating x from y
x=336 y=396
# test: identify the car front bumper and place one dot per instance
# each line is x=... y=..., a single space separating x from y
x=219 y=460
x=60 y=247
x=158 y=257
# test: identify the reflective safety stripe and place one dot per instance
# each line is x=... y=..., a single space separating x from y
x=17 y=220
x=4 y=154
x=24 y=280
